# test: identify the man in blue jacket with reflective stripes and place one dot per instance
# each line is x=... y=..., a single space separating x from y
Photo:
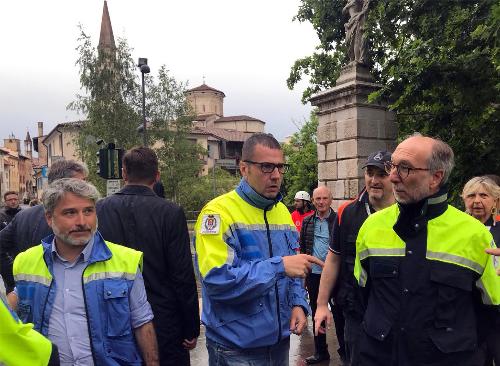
x=245 y=252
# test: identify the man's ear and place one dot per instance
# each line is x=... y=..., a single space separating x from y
x=243 y=169
x=437 y=178
x=48 y=217
x=157 y=176
x=124 y=174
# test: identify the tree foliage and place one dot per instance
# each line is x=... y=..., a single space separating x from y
x=172 y=120
x=301 y=153
x=110 y=101
x=438 y=65
x=195 y=195
x=113 y=106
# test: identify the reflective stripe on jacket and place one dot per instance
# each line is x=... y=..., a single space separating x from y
x=106 y=283
x=247 y=298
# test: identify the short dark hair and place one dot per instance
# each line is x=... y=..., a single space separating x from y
x=9 y=192
x=264 y=139
x=141 y=165
x=66 y=169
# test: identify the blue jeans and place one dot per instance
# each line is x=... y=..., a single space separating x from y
x=276 y=355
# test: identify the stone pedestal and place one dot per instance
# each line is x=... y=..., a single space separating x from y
x=349 y=130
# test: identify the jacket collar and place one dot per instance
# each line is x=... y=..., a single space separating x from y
x=133 y=189
x=249 y=195
x=414 y=217
x=100 y=251
x=330 y=213
x=428 y=208
x=490 y=222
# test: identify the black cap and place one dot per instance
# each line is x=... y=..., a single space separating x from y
x=378 y=159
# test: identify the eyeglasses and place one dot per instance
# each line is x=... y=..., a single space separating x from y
x=402 y=170
x=269 y=167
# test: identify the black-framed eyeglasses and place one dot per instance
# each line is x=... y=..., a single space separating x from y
x=267 y=168
x=402 y=169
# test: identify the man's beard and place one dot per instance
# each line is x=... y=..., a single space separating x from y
x=413 y=196
x=66 y=238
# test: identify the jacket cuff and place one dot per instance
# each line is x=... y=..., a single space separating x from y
x=298 y=301
x=279 y=266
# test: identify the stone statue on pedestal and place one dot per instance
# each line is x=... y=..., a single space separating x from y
x=356 y=41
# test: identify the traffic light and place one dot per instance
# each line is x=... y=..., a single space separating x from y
x=109 y=162
x=103 y=163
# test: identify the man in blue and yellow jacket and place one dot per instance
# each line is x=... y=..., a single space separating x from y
x=84 y=294
x=423 y=263
x=245 y=252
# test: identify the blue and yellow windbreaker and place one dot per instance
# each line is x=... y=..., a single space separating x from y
x=240 y=239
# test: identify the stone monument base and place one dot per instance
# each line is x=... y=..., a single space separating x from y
x=349 y=130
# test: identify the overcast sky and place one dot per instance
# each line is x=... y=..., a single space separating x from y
x=243 y=48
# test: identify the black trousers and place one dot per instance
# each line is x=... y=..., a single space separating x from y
x=312 y=285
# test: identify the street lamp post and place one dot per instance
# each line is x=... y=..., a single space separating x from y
x=143 y=66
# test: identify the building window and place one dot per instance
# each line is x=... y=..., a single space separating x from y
x=203 y=107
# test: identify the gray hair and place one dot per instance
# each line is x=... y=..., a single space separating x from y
x=58 y=189
x=488 y=184
x=442 y=157
x=66 y=169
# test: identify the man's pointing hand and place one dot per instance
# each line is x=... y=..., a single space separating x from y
x=300 y=265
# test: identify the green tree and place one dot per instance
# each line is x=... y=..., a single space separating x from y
x=203 y=189
x=110 y=103
x=323 y=66
x=172 y=120
x=113 y=107
x=438 y=64
x=302 y=155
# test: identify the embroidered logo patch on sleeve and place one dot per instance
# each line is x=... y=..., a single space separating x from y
x=210 y=224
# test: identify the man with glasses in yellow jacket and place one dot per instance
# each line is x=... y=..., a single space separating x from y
x=423 y=263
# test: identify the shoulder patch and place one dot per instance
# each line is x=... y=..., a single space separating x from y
x=210 y=224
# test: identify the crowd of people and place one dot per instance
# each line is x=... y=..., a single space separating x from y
x=407 y=278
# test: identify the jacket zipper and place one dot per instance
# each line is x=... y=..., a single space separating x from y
x=276 y=283
x=88 y=320
x=46 y=298
x=43 y=310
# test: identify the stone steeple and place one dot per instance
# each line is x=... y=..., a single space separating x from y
x=106 y=38
x=28 y=145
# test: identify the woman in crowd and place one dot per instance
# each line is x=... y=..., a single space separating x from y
x=481 y=197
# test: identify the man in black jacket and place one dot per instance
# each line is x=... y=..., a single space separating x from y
x=138 y=218
x=29 y=226
x=376 y=196
x=314 y=238
x=11 y=200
